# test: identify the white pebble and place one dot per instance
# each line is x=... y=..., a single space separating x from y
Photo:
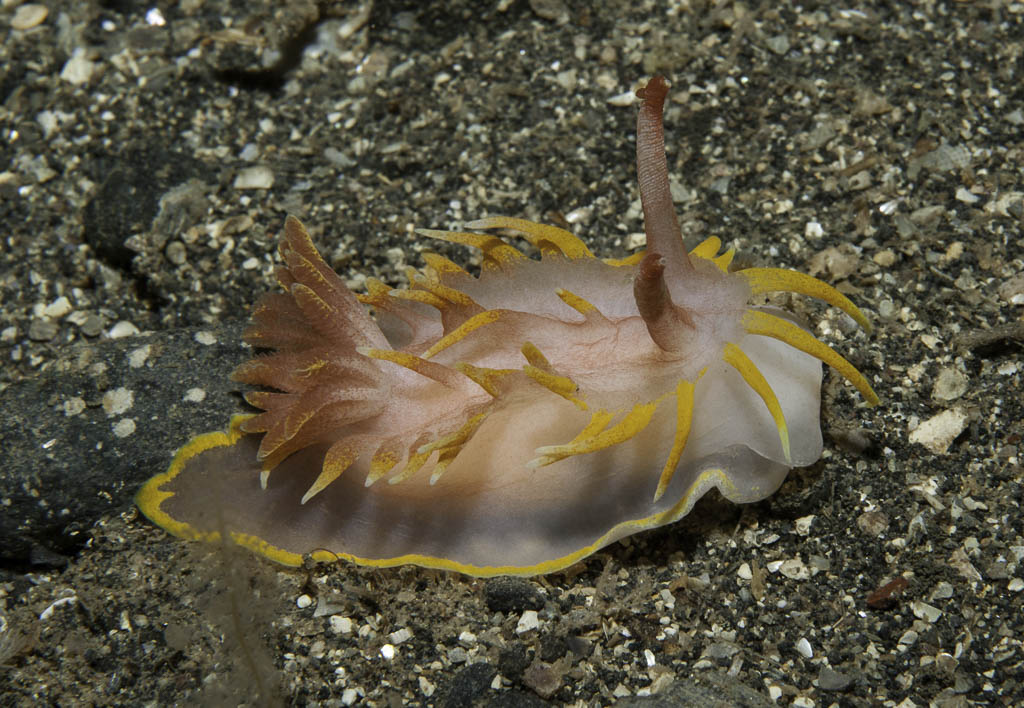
x=194 y=395
x=950 y=385
x=794 y=569
x=304 y=601
x=622 y=99
x=924 y=611
x=341 y=625
x=58 y=308
x=635 y=241
x=205 y=338
x=259 y=177
x=402 y=635
x=122 y=329
x=137 y=357
x=966 y=196
x=529 y=621
x=78 y=69
x=29 y=16
x=124 y=427
x=803 y=647
x=74 y=406
x=48 y=612
x=118 y=401
x=938 y=432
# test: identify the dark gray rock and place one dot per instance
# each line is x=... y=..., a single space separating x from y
x=79 y=439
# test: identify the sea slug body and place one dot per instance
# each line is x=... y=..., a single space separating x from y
x=515 y=422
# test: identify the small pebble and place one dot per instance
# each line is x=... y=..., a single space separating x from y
x=803 y=647
x=1013 y=290
x=124 y=427
x=873 y=523
x=118 y=401
x=527 y=622
x=123 y=329
x=78 y=69
x=73 y=406
x=402 y=635
x=29 y=16
x=58 y=308
x=831 y=680
x=924 y=611
x=341 y=625
x=176 y=253
x=42 y=330
x=909 y=638
x=555 y=10
x=138 y=356
x=950 y=384
x=92 y=325
x=794 y=569
x=938 y=432
x=885 y=258
x=966 y=196
x=622 y=99
x=194 y=395
x=259 y=177
x=779 y=44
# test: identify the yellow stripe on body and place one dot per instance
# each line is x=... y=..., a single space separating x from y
x=561 y=385
x=487 y=379
x=584 y=307
x=735 y=357
x=632 y=423
x=438 y=372
x=684 y=418
x=459 y=333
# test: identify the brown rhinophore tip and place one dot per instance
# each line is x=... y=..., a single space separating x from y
x=663 y=234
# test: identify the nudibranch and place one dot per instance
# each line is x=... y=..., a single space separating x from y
x=512 y=422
